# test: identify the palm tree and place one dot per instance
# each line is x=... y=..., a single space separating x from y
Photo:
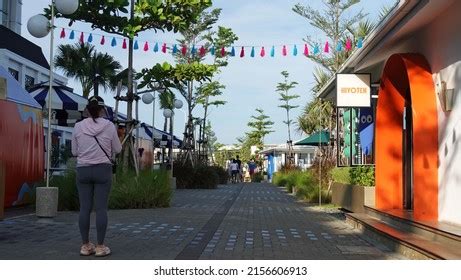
x=91 y=68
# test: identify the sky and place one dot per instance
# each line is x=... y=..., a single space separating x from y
x=250 y=82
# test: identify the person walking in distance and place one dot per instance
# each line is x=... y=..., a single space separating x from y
x=94 y=142
x=239 y=164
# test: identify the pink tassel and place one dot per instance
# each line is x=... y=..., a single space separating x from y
x=124 y=44
x=184 y=50
x=242 y=52
x=103 y=40
x=202 y=51
x=63 y=33
x=223 y=52
x=82 y=40
x=284 y=51
x=327 y=47
x=306 y=50
x=164 y=48
x=348 y=44
x=263 y=52
x=146 y=47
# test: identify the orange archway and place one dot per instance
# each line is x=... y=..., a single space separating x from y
x=403 y=73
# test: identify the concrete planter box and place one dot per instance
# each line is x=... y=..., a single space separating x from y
x=353 y=198
x=46 y=205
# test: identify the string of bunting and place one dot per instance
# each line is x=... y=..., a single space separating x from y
x=202 y=51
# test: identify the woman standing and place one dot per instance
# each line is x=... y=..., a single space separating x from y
x=94 y=141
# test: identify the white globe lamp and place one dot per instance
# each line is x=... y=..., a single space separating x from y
x=167 y=113
x=178 y=104
x=66 y=7
x=38 y=26
x=147 y=98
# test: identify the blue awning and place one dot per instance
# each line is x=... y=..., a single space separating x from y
x=15 y=92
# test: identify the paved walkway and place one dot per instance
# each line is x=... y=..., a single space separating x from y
x=241 y=221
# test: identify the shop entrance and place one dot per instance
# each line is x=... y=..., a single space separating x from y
x=407 y=154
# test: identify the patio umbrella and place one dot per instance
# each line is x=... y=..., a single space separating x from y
x=315 y=139
x=62 y=97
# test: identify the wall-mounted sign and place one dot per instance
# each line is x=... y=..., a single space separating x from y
x=353 y=90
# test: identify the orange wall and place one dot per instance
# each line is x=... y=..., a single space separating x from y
x=403 y=71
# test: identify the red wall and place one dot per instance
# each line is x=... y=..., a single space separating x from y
x=21 y=149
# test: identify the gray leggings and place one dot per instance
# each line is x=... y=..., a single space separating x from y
x=93 y=182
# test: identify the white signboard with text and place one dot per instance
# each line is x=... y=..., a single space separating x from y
x=353 y=90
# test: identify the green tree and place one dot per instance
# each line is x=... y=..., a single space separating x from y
x=93 y=69
x=283 y=90
x=128 y=18
x=261 y=126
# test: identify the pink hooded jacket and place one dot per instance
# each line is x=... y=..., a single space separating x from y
x=85 y=147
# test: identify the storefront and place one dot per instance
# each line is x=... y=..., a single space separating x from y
x=414 y=59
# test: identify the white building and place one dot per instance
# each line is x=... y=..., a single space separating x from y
x=10 y=14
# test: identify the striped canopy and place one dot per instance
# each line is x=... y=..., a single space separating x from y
x=62 y=97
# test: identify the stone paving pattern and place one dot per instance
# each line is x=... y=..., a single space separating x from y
x=240 y=221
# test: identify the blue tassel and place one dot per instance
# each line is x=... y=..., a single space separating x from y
x=232 y=52
x=212 y=51
x=156 y=47
x=194 y=50
x=339 y=47
x=252 y=52
x=295 y=51
x=136 y=46
x=273 y=51
x=360 y=43
x=175 y=49
x=90 y=38
x=72 y=35
x=114 y=42
x=316 y=49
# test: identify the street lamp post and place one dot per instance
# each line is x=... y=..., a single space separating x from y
x=168 y=113
x=39 y=27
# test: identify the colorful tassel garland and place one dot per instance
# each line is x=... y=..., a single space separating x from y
x=202 y=51
x=232 y=51
x=184 y=50
x=164 y=48
x=242 y=52
x=136 y=46
x=360 y=43
x=348 y=44
x=156 y=47
x=114 y=42
x=252 y=52
x=82 y=39
x=316 y=49
x=72 y=35
x=90 y=38
x=63 y=33
x=194 y=50
x=273 y=51
x=263 y=52
x=327 y=47
x=306 y=50
x=146 y=46
x=103 y=40
x=212 y=51
x=284 y=51
x=223 y=52
x=295 y=51
x=124 y=44
x=175 y=49
x=339 y=47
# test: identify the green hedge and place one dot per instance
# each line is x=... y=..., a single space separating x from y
x=257 y=177
x=362 y=176
x=304 y=182
x=195 y=177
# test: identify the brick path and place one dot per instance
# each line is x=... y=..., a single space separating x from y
x=241 y=221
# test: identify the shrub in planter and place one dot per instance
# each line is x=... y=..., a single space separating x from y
x=184 y=174
x=341 y=175
x=150 y=189
x=362 y=176
x=279 y=179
